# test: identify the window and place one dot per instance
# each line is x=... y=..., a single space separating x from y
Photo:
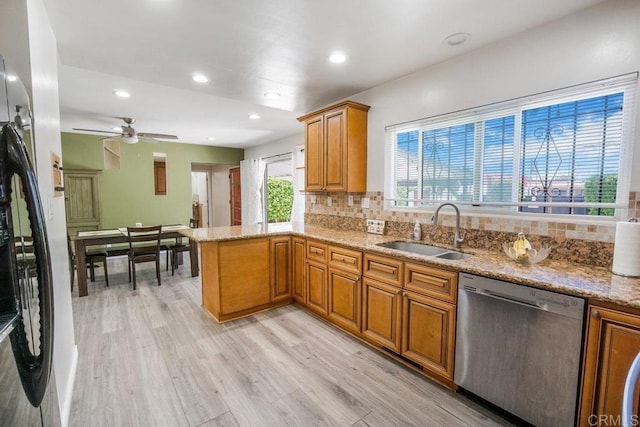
x=561 y=152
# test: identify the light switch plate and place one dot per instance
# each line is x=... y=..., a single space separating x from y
x=349 y=200
x=375 y=226
x=365 y=203
x=329 y=201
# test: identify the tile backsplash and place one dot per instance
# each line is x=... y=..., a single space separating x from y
x=582 y=243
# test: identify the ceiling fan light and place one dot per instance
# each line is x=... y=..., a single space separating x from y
x=130 y=139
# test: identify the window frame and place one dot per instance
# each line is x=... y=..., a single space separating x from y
x=515 y=107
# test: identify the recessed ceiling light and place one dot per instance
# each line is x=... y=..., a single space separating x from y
x=211 y=138
x=272 y=95
x=122 y=93
x=11 y=77
x=457 y=39
x=200 y=78
x=338 y=57
x=254 y=116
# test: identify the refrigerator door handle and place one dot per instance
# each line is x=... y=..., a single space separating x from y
x=34 y=369
x=629 y=392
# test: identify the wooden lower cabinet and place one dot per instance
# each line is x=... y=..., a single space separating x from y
x=298 y=266
x=316 y=287
x=428 y=333
x=233 y=277
x=382 y=313
x=612 y=342
x=241 y=277
x=344 y=308
x=281 y=272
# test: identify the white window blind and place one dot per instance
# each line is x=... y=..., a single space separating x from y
x=560 y=152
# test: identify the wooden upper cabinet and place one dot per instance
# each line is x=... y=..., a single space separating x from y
x=336 y=148
x=314 y=156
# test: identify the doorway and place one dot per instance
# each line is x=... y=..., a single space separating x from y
x=210 y=194
x=278 y=191
x=235 y=196
x=200 y=198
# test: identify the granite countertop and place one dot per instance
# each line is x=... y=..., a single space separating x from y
x=573 y=279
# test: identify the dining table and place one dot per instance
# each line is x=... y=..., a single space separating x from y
x=109 y=237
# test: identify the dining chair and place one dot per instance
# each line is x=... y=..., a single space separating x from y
x=92 y=255
x=144 y=246
x=179 y=246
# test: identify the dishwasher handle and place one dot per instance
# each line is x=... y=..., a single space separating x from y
x=629 y=392
x=507 y=298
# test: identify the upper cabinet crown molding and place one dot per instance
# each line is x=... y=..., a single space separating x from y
x=336 y=148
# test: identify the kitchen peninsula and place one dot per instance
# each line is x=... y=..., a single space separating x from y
x=572 y=279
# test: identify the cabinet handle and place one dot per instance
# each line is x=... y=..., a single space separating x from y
x=595 y=314
x=382 y=268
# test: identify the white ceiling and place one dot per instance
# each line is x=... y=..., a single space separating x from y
x=151 y=48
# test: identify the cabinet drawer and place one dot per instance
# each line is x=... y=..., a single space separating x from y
x=345 y=259
x=316 y=251
x=385 y=269
x=442 y=284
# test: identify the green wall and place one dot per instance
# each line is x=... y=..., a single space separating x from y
x=127 y=194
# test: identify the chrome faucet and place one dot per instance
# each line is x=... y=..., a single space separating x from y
x=457 y=239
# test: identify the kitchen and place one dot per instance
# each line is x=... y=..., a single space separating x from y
x=593 y=44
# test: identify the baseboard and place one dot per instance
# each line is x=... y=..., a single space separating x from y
x=65 y=407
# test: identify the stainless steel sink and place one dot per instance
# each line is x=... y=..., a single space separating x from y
x=453 y=255
x=414 y=247
x=424 y=249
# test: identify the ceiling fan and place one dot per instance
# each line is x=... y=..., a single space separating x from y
x=130 y=135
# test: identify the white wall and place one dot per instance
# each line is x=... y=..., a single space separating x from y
x=285 y=145
x=600 y=42
x=28 y=44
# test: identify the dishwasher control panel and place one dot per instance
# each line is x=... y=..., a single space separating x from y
x=540 y=299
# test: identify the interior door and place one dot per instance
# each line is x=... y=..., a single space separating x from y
x=235 y=199
x=82 y=200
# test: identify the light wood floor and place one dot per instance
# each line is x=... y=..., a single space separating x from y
x=153 y=357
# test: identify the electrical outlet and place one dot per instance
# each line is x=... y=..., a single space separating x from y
x=365 y=203
x=313 y=200
x=350 y=200
x=329 y=201
x=376 y=226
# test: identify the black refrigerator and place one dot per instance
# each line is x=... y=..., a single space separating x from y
x=27 y=384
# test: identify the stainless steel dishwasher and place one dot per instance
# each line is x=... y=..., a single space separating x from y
x=519 y=348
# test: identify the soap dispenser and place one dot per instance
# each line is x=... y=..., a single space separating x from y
x=417 y=231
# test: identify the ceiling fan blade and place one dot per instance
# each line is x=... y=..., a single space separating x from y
x=157 y=135
x=95 y=130
x=147 y=138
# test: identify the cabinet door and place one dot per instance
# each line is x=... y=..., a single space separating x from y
x=316 y=278
x=381 y=313
x=613 y=341
x=280 y=248
x=345 y=299
x=243 y=266
x=335 y=151
x=298 y=271
x=314 y=154
x=428 y=327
